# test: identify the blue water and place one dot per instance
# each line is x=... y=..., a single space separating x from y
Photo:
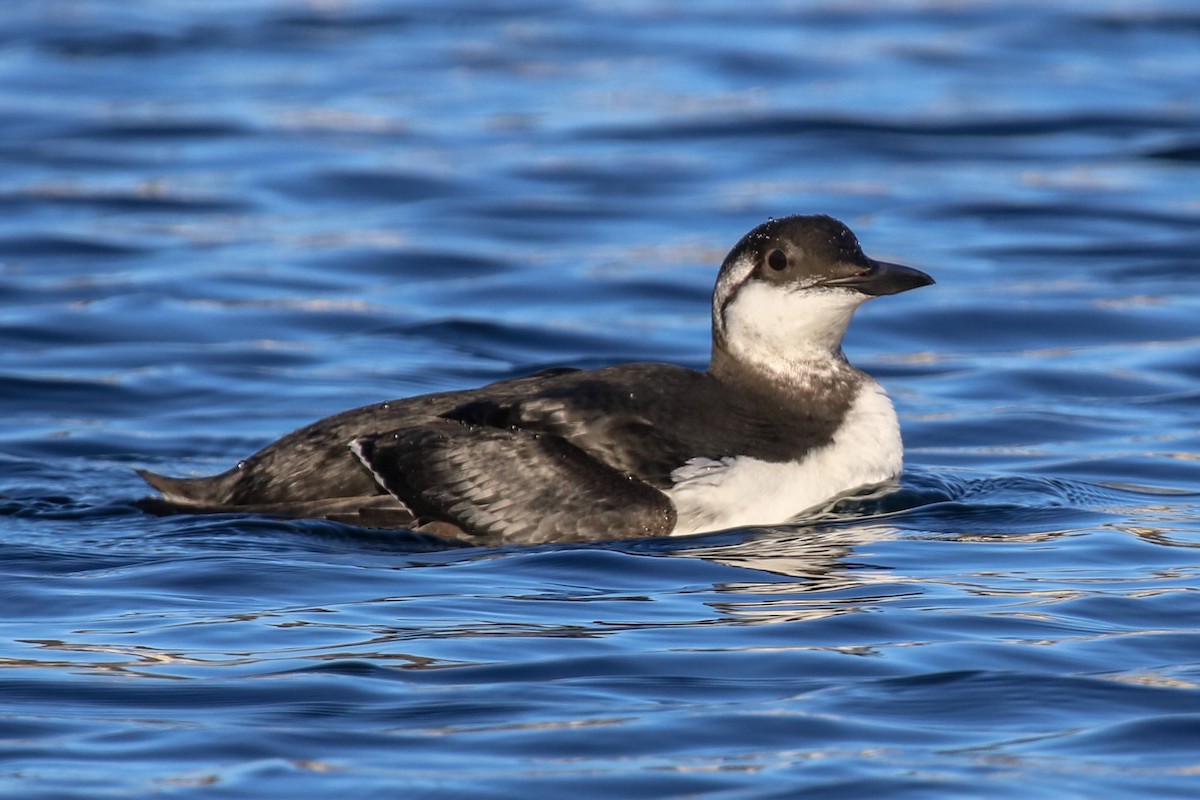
x=221 y=220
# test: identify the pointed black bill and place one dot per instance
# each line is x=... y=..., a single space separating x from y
x=883 y=278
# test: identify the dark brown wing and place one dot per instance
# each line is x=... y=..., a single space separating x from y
x=311 y=473
x=512 y=485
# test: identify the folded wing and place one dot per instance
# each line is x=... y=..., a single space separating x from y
x=511 y=484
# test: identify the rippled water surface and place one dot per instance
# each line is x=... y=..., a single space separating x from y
x=221 y=220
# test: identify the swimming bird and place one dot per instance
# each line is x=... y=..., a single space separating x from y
x=778 y=424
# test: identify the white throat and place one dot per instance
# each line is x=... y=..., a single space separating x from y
x=787 y=332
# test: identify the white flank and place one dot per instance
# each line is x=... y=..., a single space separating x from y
x=734 y=492
x=357 y=449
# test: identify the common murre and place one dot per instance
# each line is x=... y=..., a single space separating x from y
x=779 y=423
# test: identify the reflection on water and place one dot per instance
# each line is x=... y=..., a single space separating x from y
x=223 y=221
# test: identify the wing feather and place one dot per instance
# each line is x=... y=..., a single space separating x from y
x=512 y=485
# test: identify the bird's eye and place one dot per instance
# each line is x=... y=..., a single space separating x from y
x=777 y=260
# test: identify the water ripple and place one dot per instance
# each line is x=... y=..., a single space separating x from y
x=224 y=221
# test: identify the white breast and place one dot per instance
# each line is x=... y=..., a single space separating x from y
x=732 y=492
